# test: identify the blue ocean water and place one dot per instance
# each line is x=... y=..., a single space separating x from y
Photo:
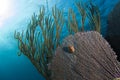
x=14 y=15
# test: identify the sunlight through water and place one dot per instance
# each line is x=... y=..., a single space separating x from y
x=5 y=10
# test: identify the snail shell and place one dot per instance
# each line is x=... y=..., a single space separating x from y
x=71 y=49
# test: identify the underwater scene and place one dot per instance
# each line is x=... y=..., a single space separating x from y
x=59 y=39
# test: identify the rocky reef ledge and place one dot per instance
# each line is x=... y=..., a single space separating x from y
x=85 y=56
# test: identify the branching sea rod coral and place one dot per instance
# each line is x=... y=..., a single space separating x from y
x=81 y=9
x=43 y=35
x=72 y=22
x=90 y=12
x=40 y=40
x=93 y=15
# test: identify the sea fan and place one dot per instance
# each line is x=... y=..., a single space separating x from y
x=93 y=59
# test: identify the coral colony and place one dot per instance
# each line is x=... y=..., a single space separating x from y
x=44 y=32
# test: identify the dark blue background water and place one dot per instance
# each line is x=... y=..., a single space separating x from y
x=13 y=67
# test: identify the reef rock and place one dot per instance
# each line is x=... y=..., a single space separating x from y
x=85 y=56
x=113 y=29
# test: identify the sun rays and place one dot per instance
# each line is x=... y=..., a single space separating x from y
x=5 y=11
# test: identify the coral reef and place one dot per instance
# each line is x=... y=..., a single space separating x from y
x=41 y=38
x=43 y=35
x=93 y=59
